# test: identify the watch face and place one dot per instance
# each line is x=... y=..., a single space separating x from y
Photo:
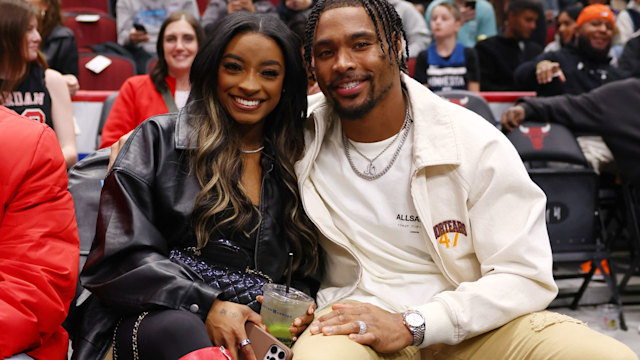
x=414 y=319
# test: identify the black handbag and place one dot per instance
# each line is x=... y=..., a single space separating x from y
x=239 y=286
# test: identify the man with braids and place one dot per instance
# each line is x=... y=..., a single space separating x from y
x=434 y=235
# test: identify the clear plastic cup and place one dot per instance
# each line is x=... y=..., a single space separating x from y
x=609 y=313
x=280 y=308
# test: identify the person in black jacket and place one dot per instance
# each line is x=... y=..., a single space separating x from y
x=609 y=111
x=214 y=181
x=500 y=55
x=575 y=68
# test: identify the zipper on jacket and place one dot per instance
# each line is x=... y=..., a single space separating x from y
x=437 y=257
x=261 y=210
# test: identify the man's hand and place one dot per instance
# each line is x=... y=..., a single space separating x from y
x=225 y=326
x=546 y=70
x=386 y=331
x=72 y=83
x=115 y=148
x=512 y=117
x=138 y=36
x=240 y=5
x=467 y=13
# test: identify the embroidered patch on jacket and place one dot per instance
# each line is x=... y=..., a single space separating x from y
x=449 y=226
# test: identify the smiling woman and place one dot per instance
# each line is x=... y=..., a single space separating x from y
x=167 y=86
x=214 y=182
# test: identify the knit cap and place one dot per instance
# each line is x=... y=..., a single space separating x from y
x=595 y=11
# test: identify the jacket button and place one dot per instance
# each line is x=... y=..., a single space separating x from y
x=194 y=308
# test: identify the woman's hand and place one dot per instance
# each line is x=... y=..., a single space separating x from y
x=300 y=323
x=225 y=326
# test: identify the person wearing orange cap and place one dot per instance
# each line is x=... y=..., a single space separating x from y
x=580 y=66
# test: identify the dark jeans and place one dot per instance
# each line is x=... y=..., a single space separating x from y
x=162 y=335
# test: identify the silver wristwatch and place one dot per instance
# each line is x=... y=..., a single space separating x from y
x=414 y=321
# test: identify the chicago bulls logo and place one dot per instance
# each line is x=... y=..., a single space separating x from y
x=536 y=134
x=463 y=101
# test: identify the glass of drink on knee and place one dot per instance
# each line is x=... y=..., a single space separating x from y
x=280 y=308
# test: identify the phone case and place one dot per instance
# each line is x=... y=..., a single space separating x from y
x=265 y=345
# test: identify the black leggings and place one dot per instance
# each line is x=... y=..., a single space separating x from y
x=162 y=335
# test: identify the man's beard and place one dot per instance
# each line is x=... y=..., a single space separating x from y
x=585 y=48
x=359 y=111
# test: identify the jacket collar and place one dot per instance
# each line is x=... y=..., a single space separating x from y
x=183 y=129
x=435 y=141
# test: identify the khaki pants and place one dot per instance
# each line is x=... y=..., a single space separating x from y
x=542 y=335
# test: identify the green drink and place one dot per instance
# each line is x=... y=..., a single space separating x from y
x=280 y=308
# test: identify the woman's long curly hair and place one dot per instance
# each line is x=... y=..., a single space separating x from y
x=223 y=204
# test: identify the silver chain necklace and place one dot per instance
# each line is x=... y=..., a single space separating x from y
x=370 y=172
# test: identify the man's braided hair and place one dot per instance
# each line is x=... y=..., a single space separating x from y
x=381 y=12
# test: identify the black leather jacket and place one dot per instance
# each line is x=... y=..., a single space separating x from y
x=145 y=210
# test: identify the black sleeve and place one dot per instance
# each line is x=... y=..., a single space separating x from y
x=128 y=267
x=629 y=61
x=488 y=65
x=420 y=71
x=578 y=112
x=473 y=69
x=62 y=55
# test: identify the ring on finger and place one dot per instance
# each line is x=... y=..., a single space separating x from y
x=245 y=342
x=363 y=327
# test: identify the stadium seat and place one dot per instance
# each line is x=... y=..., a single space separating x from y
x=111 y=78
x=91 y=6
x=472 y=101
x=556 y=164
x=91 y=29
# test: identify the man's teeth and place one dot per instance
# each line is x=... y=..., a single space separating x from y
x=246 y=102
x=349 y=85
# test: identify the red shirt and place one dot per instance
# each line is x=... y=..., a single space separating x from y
x=137 y=101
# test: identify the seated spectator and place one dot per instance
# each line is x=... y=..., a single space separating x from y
x=609 y=111
x=143 y=96
x=628 y=22
x=447 y=64
x=139 y=24
x=26 y=85
x=59 y=43
x=578 y=67
x=289 y=9
x=565 y=27
x=38 y=239
x=478 y=22
x=214 y=183
x=415 y=27
x=629 y=61
x=217 y=9
x=500 y=55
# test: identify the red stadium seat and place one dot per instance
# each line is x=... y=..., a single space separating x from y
x=111 y=78
x=91 y=29
x=94 y=6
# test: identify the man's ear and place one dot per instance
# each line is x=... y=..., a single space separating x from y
x=398 y=39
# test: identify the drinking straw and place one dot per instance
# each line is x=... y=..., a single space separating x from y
x=289 y=271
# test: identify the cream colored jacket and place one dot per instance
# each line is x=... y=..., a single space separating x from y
x=466 y=172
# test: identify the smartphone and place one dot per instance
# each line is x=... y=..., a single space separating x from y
x=470 y=4
x=265 y=345
x=139 y=27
